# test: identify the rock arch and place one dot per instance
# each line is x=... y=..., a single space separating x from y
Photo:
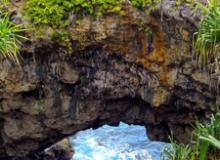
x=108 y=78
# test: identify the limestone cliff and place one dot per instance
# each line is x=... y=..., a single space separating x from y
x=116 y=72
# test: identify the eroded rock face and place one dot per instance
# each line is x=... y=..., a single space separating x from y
x=117 y=72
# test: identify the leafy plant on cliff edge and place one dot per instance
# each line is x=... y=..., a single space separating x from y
x=207 y=137
x=207 y=39
x=10 y=38
x=205 y=143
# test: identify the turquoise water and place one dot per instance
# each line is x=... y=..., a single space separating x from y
x=125 y=142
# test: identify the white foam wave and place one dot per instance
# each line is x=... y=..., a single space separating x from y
x=125 y=142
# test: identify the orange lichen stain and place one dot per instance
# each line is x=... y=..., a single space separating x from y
x=164 y=74
x=125 y=46
x=118 y=48
x=158 y=45
x=127 y=21
x=143 y=56
x=160 y=56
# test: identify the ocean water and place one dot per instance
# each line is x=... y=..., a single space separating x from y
x=125 y=142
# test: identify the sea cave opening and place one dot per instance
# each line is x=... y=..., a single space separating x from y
x=122 y=142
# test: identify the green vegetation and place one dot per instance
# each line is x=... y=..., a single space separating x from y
x=143 y=3
x=190 y=2
x=207 y=135
x=83 y=80
x=98 y=7
x=62 y=37
x=59 y=36
x=56 y=12
x=120 y=61
x=46 y=12
x=3 y=7
x=210 y=139
x=178 y=152
x=10 y=38
x=207 y=42
x=205 y=143
x=148 y=5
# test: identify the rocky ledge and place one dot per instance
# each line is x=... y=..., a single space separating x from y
x=117 y=71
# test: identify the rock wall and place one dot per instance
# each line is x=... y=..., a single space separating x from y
x=118 y=71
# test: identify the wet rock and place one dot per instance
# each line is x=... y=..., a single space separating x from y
x=60 y=149
x=65 y=73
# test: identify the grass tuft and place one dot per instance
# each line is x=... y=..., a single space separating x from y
x=10 y=38
x=207 y=137
x=205 y=143
x=207 y=39
x=178 y=152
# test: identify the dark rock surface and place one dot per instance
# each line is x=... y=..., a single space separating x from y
x=117 y=72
